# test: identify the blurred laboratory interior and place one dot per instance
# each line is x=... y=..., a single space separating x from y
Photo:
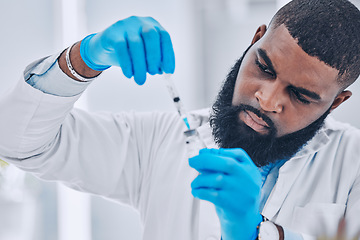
x=208 y=36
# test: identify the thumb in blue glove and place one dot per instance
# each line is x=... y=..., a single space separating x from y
x=231 y=181
x=136 y=44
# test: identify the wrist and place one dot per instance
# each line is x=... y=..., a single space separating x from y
x=77 y=63
x=246 y=227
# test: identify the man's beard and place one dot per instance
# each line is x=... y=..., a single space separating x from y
x=230 y=132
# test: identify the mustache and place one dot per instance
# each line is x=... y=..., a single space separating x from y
x=258 y=113
x=243 y=107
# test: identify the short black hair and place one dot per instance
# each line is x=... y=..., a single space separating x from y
x=328 y=30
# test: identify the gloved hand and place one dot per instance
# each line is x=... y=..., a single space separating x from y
x=231 y=181
x=136 y=44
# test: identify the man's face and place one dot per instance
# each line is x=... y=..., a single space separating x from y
x=290 y=87
x=277 y=101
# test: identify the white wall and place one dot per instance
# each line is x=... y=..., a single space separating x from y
x=27 y=33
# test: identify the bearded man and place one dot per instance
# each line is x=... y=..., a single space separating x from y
x=274 y=164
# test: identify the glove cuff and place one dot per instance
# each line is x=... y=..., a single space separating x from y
x=84 y=55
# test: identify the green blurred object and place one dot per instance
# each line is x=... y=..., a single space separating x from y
x=3 y=164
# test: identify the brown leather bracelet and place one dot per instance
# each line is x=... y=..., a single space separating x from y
x=281 y=231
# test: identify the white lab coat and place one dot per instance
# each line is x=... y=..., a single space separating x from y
x=140 y=159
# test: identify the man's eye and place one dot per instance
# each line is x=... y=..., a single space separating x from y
x=264 y=68
x=299 y=97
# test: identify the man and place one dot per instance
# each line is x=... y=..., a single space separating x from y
x=280 y=159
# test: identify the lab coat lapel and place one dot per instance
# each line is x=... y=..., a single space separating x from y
x=287 y=176
x=289 y=172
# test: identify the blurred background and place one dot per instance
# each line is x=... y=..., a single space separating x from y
x=208 y=37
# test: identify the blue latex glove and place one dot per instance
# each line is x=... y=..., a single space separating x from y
x=136 y=44
x=230 y=180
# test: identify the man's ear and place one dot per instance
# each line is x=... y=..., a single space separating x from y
x=259 y=33
x=342 y=97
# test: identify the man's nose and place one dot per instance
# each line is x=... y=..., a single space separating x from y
x=270 y=98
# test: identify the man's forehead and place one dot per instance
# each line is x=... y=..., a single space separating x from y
x=291 y=62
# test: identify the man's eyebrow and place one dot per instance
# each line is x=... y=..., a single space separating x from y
x=306 y=92
x=262 y=53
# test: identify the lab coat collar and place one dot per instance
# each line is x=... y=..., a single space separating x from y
x=315 y=144
x=206 y=135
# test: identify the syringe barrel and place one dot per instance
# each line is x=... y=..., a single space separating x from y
x=174 y=94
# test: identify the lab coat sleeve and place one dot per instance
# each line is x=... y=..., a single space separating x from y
x=46 y=75
x=106 y=154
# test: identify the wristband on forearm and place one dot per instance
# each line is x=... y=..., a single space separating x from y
x=71 y=68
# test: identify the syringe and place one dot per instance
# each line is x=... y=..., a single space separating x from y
x=193 y=141
x=176 y=99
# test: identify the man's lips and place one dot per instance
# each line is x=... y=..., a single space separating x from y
x=257 y=119
x=254 y=122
